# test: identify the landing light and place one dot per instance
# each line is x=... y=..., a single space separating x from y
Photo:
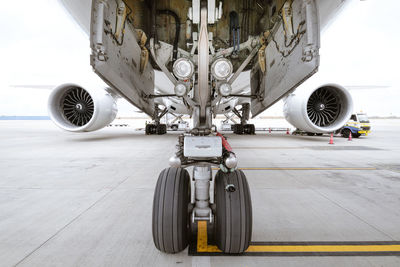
x=183 y=68
x=180 y=89
x=225 y=89
x=221 y=69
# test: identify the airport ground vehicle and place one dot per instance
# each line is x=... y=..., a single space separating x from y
x=226 y=126
x=358 y=125
x=179 y=125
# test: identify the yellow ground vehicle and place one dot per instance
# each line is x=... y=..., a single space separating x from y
x=358 y=125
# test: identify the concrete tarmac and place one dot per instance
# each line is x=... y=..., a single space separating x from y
x=85 y=199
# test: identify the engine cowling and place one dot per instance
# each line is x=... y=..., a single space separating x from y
x=75 y=109
x=321 y=110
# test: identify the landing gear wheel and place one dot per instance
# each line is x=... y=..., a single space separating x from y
x=319 y=134
x=244 y=129
x=150 y=129
x=249 y=129
x=170 y=210
x=238 y=129
x=161 y=129
x=310 y=134
x=346 y=133
x=233 y=212
x=174 y=127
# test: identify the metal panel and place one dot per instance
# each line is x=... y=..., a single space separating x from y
x=196 y=11
x=202 y=146
x=288 y=64
x=211 y=11
x=116 y=54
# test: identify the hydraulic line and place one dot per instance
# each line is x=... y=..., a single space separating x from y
x=153 y=21
x=235 y=30
x=177 y=28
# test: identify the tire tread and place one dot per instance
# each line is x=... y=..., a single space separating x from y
x=234 y=214
x=170 y=210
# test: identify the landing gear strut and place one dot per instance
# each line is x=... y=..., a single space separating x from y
x=157 y=127
x=223 y=200
x=243 y=127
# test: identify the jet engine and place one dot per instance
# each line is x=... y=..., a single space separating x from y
x=321 y=110
x=75 y=109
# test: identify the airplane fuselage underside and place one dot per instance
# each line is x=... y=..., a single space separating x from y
x=273 y=44
x=204 y=49
x=200 y=58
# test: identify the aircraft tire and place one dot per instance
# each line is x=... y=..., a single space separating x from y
x=161 y=129
x=239 y=129
x=170 y=210
x=249 y=129
x=150 y=129
x=233 y=212
x=252 y=128
x=246 y=129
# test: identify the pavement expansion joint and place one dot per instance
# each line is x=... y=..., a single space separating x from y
x=202 y=247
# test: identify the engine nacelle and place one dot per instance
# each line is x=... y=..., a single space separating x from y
x=75 y=109
x=321 y=110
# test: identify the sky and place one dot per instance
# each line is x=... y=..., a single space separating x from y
x=42 y=45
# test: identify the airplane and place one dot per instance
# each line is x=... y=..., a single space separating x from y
x=203 y=58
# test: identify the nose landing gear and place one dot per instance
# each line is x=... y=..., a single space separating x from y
x=224 y=201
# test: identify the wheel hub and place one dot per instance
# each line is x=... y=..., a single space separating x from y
x=320 y=107
x=80 y=107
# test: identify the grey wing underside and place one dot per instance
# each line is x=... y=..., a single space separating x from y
x=80 y=11
x=283 y=74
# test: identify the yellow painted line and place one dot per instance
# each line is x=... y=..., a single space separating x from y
x=323 y=248
x=204 y=247
x=202 y=242
x=306 y=169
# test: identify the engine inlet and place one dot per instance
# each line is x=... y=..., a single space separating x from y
x=323 y=107
x=77 y=106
